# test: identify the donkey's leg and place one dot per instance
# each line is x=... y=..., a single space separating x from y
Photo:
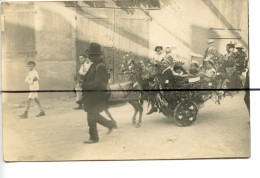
x=136 y=110
x=141 y=101
x=140 y=110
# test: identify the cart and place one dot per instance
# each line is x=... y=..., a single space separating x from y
x=189 y=95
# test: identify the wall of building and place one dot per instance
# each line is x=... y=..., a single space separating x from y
x=183 y=25
x=54 y=38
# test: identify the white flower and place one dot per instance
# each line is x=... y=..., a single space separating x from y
x=210 y=84
x=180 y=117
x=191 y=107
x=166 y=81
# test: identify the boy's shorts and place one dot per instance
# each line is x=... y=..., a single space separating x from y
x=33 y=95
x=79 y=94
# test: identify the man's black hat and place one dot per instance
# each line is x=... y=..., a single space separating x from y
x=94 y=48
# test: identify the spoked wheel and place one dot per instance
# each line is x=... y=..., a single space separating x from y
x=185 y=113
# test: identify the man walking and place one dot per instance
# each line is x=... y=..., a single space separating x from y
x=94 y=93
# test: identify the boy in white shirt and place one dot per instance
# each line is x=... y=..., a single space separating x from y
x=84 y=67
x=32 y=80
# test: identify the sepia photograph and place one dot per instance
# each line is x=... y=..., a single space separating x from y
x=125 y=80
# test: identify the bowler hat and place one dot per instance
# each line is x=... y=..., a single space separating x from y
x=94 y=48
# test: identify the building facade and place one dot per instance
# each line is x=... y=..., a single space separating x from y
x=55 y=33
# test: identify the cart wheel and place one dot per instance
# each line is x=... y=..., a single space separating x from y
x=185 y=113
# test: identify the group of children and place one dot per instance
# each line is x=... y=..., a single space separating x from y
x=171 y=71
x=235 y=58
x=166 y=60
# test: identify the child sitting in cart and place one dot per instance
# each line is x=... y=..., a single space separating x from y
x=210 y=71
x=194 y=68
x=179 y=70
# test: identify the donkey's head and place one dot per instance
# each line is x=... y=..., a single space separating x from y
x=136 y=75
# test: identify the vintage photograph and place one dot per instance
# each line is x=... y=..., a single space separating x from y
x=125 y=80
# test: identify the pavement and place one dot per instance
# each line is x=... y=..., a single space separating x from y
x=221 y=131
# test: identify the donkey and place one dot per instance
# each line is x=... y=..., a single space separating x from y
x=128 y=92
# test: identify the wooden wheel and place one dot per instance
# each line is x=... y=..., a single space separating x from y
x=185 y=113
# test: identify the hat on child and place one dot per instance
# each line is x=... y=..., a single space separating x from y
x=178 y=65
x=158 y=47
x=168 y=49
x=211 y=62
x=195 y=62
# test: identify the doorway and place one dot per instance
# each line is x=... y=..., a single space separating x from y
x=117 y=31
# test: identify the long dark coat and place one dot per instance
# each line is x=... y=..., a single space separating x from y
x=94 y=86
x=167 y=79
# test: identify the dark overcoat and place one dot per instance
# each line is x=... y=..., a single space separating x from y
x=94 y=88
x=167 y=79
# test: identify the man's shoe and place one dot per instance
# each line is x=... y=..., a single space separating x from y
x=89 y=141
x=42 y=113
x=154 y=109
x=110 y=130
x=23 y=116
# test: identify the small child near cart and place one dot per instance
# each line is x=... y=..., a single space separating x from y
x=33 y=81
